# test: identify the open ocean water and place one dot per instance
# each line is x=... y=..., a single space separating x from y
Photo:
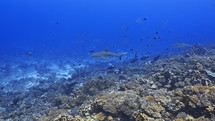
x=107 y=60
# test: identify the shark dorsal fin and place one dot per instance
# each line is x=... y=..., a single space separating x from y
x=106 y=50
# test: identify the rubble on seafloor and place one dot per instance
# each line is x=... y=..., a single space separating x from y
x=174 y=88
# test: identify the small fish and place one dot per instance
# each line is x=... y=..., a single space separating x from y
x=156 y=58
x=106 y=54
x=154 y=38
x=1 y=88
x=131 y=49
x=92 y=51
x=138 y=92
x=139 y=20
x=135 y=59
x=180 y=45
x=110 y=66
x=123 y=28
x=144 y=57
x=29 y=53
x=156 y=32
x=145 y=19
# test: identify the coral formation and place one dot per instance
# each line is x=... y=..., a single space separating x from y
x=174 y=88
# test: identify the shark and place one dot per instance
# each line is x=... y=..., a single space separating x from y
x=106 y=54
x=180 y=45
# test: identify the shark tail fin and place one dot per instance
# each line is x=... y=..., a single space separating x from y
x=120 y=55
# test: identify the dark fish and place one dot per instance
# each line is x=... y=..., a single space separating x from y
x=1 y=88
x=111 y=67
x=57 y=22
x=156 y=58
x=156 y=32
x=145 y=19
x=135 y=59
x=29 y=53
x=144 y=57
x=131 y=49
x=154 y=38
x=15 y=101
x=92 y=51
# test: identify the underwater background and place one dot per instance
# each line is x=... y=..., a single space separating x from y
x=66 y=54
x=63 y=27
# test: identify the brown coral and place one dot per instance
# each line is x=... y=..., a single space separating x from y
x=100 y=116
x=150 y=98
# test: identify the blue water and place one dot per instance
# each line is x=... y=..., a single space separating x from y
x=45 y=43
x=60 y=34
x=74 y=27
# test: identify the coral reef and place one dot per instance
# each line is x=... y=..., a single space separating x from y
x=173 y=88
